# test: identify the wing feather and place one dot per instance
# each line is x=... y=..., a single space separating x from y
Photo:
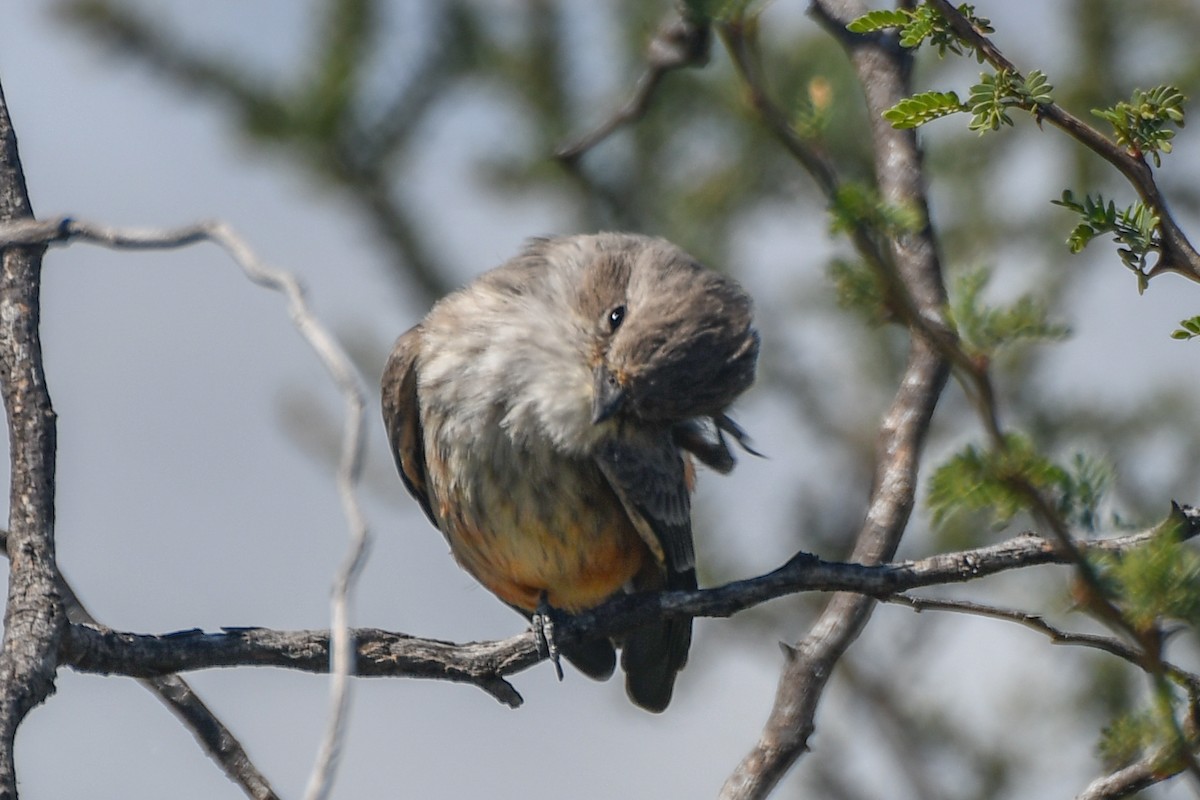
x=402 y=417
x=649 y=476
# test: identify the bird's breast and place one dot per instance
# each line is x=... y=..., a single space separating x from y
x=525 y=519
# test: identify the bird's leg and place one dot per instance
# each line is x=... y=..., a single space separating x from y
x=542 y=622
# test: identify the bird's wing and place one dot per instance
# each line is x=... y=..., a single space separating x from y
x=652 y=480
x=650 y=477
x=402 y=416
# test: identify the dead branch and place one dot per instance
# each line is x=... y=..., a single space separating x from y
x=487 y=664
x=34 y=621
x=24 y=234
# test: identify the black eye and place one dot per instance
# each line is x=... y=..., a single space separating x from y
x=616 y=317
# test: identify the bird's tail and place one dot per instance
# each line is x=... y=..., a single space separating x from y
x=654 y=654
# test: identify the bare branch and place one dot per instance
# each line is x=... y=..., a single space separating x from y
x=486 y=664
x=1037 y=622
x=1129 y=780
x=174 y=692
x=883 y=73
x=63 y=230
x=34 y=622
x=680 y=42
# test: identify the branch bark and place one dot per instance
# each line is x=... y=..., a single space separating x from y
x=882 y=71
x=1151 y=769
x=28 y=232
x=486 y=665
x=174 y=692
x=34 y=621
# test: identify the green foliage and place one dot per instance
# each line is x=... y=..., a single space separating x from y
x=995 y=93
x=812 y=115
x=1128 y=737
x=1088 y=480
x=859 y=288
x=918 y=24
x=858 y=206
x=988 y=102
x=993 y=481
x=1188 y=329
x=921 y=108
x=996 y=483
x=1141 y=125
x=984 y=329
x=880 y=20
x=1134 y=227
x=1036 y=88
x=1160 y=580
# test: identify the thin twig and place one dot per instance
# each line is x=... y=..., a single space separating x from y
x=680 y=42
x=64 y=230
x=1037 y=622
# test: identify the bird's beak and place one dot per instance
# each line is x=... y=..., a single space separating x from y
x=607 y=395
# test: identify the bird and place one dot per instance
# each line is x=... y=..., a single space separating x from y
x=547 y=417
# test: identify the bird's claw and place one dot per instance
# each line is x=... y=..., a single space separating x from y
x=542 y=623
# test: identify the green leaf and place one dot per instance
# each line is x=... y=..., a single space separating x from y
x=921 y=23
x=1088 y=480
x=1140 y=125
x=879 y=20
x=1036 y=88
x=1188 y=329
x=1128 y=737
x=921 y=108
x=859 y=288
x=857 y=206
x=1135 y=228
x=989 y=100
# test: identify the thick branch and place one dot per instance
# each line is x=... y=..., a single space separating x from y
x=33 y=618
x=882 y=72
x=175 y=693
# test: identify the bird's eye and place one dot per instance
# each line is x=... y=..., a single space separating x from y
x=616 y=317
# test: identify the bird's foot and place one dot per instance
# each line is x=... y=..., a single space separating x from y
x=542 y=622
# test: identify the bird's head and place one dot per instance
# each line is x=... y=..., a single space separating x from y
x=671 y=339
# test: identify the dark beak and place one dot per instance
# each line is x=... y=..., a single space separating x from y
x=607 y=395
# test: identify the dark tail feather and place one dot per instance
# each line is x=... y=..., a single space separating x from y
x=595 y=658
x=653 y=654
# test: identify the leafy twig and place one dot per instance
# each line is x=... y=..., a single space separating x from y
x=1178 y=254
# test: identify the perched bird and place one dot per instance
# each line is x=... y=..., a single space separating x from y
x=543 y=417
